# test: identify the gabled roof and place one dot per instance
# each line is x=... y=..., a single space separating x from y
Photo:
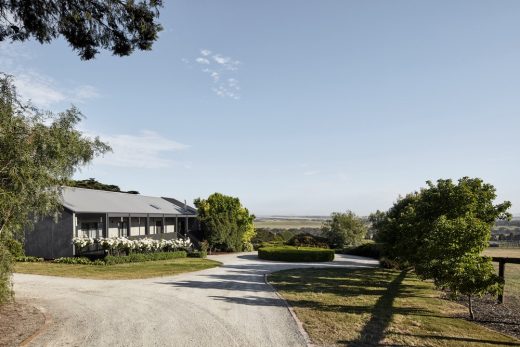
x=82 y=200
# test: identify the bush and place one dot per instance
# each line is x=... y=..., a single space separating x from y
x=140 y=257
x=28 y=259
x=308 y=240
x=247 y=247
x=14 y=247
x=293 y=254
x=370 y=250
x=73 y=260
x=6 y=262
x=198 y=254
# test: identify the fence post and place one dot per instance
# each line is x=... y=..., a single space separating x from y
x=501 y=271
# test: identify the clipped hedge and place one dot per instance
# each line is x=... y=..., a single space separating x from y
x=140 y=257
x=73 y=260
x=369 y=250
x=308 y=240
x=198 y=254
x=295 y=254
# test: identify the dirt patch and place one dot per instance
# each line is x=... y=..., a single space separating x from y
x=18 y=321
x=504 y=318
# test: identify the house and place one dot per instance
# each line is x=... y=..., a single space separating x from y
x=97 y=213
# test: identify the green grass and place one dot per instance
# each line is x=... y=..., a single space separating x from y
x=120 y=271
x=512 y=274
x=378 y=307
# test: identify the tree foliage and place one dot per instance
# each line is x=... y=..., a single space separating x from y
x=441 y=232
x=225 y=223
x=91 y=183
x=39 y=152
x=117 y=25
x=344 y=229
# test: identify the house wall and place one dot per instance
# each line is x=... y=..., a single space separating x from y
x=51 y=239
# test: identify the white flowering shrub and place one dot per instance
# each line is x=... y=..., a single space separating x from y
x=117 y=245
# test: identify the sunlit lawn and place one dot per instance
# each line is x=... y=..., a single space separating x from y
x=119 y=271
x=378 y=307
x=512 y=274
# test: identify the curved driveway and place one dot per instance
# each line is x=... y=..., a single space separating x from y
x=225 y=306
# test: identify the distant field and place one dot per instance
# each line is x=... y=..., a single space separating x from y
x=512 y=274
x=288 y=223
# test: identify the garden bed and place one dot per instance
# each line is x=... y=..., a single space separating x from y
x=296 y=254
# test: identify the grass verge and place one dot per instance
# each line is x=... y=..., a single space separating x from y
x=376 y=307
x=119 y=271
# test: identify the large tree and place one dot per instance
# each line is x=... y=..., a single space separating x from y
x=39 y=152
x=88 y=25
x=225 y=223
x=344 y=229
x=441 y=232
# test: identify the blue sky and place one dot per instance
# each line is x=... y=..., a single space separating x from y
x=298 y=107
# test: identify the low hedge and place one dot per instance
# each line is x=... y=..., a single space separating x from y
x=198 y=254
x=140 y=257
x=28 y=259
x=369 y=250
x=296 y=254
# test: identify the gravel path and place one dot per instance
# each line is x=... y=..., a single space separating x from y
x=226 y=306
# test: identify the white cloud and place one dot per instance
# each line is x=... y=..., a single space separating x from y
x=40 y=89
x=201 y=60
x=144 y=150
x=219 y=68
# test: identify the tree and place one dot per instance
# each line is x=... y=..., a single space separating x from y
x=39 y=152
x=344 y=229
x=225 y=223
x=117 y=25
x=91 y=183
x=441 y=232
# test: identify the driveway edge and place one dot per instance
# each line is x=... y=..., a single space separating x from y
x=46 y=323
x=299 y=324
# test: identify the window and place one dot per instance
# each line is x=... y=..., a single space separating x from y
x=89 y=229
x=122 y=227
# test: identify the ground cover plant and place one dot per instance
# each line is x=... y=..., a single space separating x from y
x=295 y=254
x=127 y=270
x=378 y=307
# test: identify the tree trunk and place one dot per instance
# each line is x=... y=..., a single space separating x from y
x=470 y=306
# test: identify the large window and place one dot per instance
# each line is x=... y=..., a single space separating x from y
x=90 y=229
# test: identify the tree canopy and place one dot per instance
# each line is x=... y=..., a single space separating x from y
x=344 y=229
x=225 y=223
x=91 y=183
x=441 y=232
x=39 y=152
x=87 y=25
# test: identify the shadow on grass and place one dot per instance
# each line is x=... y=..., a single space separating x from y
x=461 y=339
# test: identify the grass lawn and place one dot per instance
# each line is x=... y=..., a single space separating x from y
x=512 y=275
x=120 y=271
x=378 y=307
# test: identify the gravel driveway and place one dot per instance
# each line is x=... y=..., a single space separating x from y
x=226 y=306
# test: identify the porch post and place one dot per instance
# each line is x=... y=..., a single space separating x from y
x=163 y=225
x=147 y=229
x=106 y=225
x=186 y=227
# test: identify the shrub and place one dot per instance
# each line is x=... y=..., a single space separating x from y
x=370 y=250
x=198 y=254
x=73 y=260
x=308 y=240
x=6 y=261
x=14 y=247
x=28 y=259
x=247 y=247
x=140 y=257
x=293 y=254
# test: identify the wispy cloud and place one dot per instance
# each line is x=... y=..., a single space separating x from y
x=311 y=172
x=40 y=89
x=222 y=71
x=148 y=150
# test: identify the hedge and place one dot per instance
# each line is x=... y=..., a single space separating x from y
x=140 y=257
x=369 y=250
x=294 y=254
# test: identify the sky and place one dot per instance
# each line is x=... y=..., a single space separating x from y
x=298 y=107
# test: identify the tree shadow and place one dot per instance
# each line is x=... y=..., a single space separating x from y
x=461 y=339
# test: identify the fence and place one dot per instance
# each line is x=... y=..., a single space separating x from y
x=502 y=261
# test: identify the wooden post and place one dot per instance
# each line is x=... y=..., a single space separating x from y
x=501 y=272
